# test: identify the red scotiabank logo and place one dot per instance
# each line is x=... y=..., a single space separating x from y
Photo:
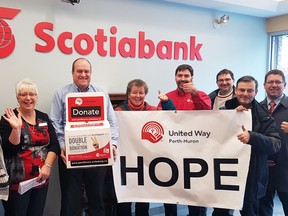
x=109 y=44
x=7 y=39
x=152 y=131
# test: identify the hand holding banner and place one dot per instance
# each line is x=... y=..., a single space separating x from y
x=183 y=157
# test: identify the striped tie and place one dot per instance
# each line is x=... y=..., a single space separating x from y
x=272 y=106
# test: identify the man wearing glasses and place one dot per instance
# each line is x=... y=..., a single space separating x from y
x=276 y=103
x=225 y=91
x=264 y=140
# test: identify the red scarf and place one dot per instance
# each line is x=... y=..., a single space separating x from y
x=136 y=108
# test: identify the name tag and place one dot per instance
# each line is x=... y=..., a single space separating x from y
x=43 y=124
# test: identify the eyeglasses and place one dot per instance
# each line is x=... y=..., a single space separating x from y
x=25 y=95
x=224 y=80
x=277 y=82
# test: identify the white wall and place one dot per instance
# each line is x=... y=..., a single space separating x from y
x=240 y=45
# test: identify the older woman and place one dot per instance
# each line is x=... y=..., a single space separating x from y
x=136 y=92
x=30 y=148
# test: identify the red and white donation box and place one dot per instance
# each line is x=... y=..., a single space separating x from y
x=87 y=131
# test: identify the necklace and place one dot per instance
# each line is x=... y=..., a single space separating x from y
x=29 y=119
x=32 y=128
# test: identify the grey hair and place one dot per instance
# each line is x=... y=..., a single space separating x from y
x=25 y=84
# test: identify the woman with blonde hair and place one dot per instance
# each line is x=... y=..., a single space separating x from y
x=30 y=148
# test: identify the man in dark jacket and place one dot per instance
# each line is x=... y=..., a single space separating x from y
x=264 y=140
x=225 y=91
x=278 y=173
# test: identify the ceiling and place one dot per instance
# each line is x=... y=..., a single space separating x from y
x=258 y=8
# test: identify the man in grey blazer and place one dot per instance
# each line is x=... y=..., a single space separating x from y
x=276 y=103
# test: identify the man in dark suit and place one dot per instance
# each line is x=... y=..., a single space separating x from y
x=277 y=104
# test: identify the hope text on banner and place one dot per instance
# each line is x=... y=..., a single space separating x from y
x=183 y=157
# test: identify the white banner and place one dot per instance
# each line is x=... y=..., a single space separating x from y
x=182 y=157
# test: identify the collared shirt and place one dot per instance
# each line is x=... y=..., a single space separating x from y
x=187 y=101
x=58 y=112
x=277 y=101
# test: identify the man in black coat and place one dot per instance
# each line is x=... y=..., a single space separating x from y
x=278 y=173
x=264 y=140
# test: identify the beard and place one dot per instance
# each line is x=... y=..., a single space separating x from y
x=180 y=84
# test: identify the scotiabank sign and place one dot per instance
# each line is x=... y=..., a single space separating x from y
x=106 y=43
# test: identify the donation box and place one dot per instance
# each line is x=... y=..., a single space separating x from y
x=87 y=131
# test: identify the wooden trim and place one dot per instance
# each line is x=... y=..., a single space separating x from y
x=117 y=98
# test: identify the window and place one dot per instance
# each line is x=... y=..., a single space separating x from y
x=279 y=52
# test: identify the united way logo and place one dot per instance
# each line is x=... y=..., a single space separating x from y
x=152 y=131
x=7 y=39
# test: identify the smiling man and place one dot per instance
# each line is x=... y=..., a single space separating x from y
x=277 y=103
x=187 y=97
x=263 y=139
x=71 y=180
x=225 y=91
